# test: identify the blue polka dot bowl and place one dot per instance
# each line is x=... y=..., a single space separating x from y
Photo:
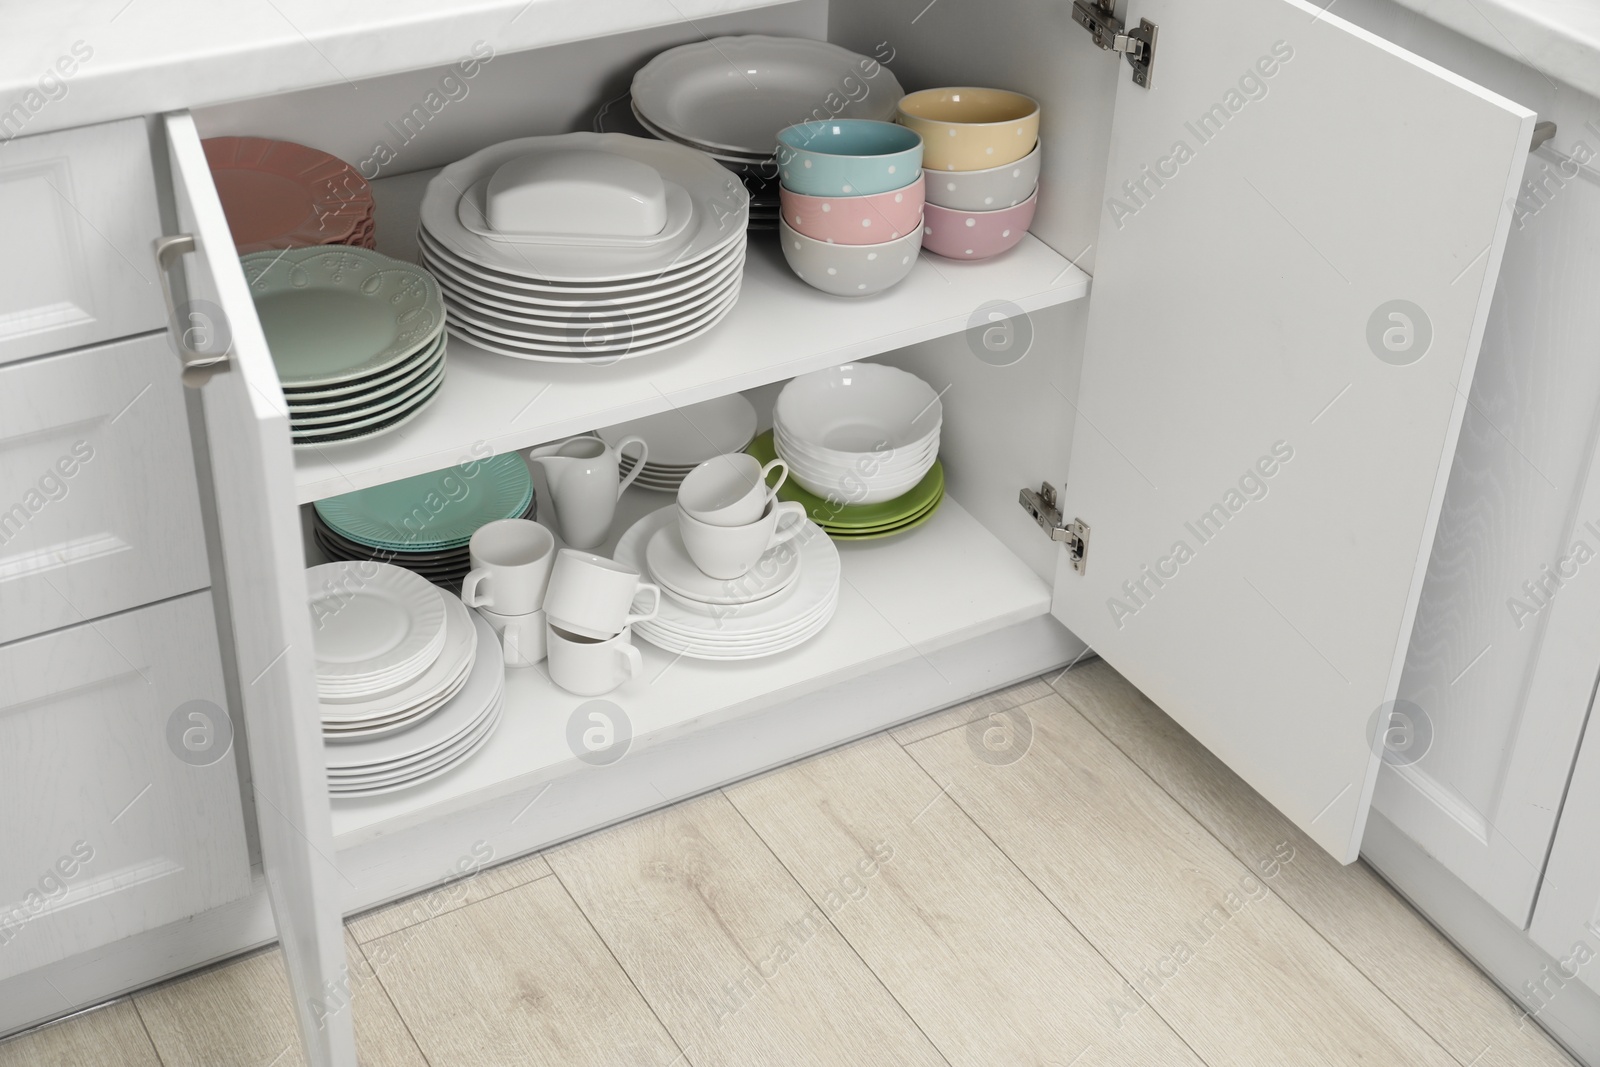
x=848 y=157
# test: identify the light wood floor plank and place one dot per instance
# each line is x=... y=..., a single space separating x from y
x=240 y=1014
x=458 y=894
x=989 y=970
x=108 y=1037
x=1013 y=696
x=1240 y=977
x=729 y=951
x=516 y=980
x=1349 y=905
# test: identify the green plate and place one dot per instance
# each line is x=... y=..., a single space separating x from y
x=844 y=519
x=873 y=535
x=441 y=509
x=888 y=527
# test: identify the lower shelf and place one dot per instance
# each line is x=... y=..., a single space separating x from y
x=902 y=598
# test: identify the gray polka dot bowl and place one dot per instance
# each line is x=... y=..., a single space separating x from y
x=849 y=270
x=848 y=157
x=975 y=234
x=985 y=190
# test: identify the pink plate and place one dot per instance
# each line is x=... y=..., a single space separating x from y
x=854 y=220
x=975 y=234
x=278 y=194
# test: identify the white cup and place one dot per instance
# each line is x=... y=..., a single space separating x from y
x=728 y=552
x=730 y=490
x=511 y=561
x=588 y=666
x=522 y=637
x=591 y=595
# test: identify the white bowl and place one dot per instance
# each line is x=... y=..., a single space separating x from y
x=855 y=488
x=859 y=407
x=887 y=460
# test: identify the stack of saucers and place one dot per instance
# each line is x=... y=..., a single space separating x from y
x=584 y=247
x=410 y=681
x=786 y=599
x=357 y=338
x=278 y=194
x=730 y=96
x=426 y=523
x=681 y=439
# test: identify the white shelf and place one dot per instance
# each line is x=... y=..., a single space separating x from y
x=903 y=597
x=781 y=327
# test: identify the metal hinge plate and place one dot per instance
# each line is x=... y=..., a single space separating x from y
x=1041 y=504
x=1138 y=44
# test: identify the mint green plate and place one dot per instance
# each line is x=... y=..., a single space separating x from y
x=440 y=509
x=850 y=518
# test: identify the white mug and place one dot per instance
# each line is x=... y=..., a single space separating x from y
x=511 y=561
x=522 y=637
x=730 y=490
x=591 y=595
x=583 y=476
x=729 y=551
x=588 y=666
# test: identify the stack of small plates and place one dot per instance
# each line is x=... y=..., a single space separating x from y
x=860 y=522
x=356 y=336
x=596 y=294
x=411 y=682
x=425 y=523
x=760 y=181
x=785 y=600
x=730 y=96
x=278 y=194
x=683 y=438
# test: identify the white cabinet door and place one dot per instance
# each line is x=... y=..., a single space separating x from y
x=118 y=784
x=1302 y=230
x=244 y=454
x=1566 y=921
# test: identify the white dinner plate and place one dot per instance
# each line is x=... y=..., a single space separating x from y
x=586 y=333
x=437 y=772
x=404 y=719
x=733 y=94
x=678 y=277
x=460 y=644
x=685 y=437
x=451 y=721
x=499 y=346
x=738 y=162
x=721 y=208
x=564 y=314
x=373 y=625
x=423 y=762
x=724 y=652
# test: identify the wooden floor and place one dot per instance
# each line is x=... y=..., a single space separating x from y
x=1053 y=876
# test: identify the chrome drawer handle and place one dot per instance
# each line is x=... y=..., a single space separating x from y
x=198 y=364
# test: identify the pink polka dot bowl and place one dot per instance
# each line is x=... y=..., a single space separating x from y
x=975 y=234
x=854 y=220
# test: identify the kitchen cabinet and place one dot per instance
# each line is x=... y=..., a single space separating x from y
x=1274 y=364
x=1566 y=923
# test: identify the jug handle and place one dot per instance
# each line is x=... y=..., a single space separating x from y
x=644 y=451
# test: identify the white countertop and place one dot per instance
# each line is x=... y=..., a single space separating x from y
x=1560 y=38
x=150 y=56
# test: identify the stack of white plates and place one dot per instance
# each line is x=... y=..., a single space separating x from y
x=863 y=432
x=730 y=96
x=613 y=287
x=785 y=600
x=357 y=338
x=410 y=680
x=683 y=438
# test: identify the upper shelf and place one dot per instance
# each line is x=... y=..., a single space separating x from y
x=780 y=327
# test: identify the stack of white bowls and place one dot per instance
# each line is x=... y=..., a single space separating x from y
x=862 y=433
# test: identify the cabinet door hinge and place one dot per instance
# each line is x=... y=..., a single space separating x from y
x=1138 y=44
x=1041 y=504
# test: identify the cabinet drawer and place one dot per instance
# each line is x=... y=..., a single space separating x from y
x=78 y=210
x=99 y=508
x=117 y=781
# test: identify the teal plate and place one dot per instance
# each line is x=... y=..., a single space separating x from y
x=441 y=509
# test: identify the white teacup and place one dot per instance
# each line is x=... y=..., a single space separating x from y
x=511 y=561
x=591 y=595
x=522 y=637
x=587 y=666
x=729 y=551
x=730 y=490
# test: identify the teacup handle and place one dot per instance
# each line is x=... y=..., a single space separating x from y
x=654 y=608
x=772 y=490
x=782 y=532
x=631 y=660
x=469 y=589
x=644 y=452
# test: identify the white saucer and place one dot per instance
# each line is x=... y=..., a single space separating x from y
x=459 y=646
x=671 y=566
